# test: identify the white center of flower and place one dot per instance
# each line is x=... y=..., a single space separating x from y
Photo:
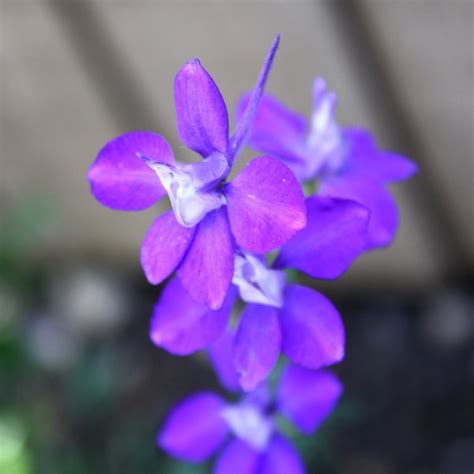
x=256 y=282
x=249 y=424
x=325 y=140
x=192 y=187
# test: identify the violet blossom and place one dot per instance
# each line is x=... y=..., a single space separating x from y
x=259 y=210
x=278 y=317
x=247 y=431
x=345 y=161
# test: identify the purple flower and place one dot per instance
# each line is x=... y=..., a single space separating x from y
x=293 y=319
x=258 y=211
x=345 y=160
x=248 y=430
x=278 y=317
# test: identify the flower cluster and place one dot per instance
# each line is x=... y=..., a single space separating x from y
x=210 y=217
x=248 y=430
x=233 y=240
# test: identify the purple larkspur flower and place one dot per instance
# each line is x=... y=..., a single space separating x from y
x=345 y=160
x=248 y=430
x=259 y=210
x=278 y=317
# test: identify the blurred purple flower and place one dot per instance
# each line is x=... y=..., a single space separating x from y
x=196 y=238
x=296 y=320
x=345 y=160
x=248 y=430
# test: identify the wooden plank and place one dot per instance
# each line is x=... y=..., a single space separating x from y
x=427 y=47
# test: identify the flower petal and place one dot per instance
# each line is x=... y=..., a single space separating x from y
x=181 y=325
x=335 y=235
x=206 y=271
x=119 y=179
x=194 y=428
x=367 y=161
x=164 y=246
x=265 y=205
x=307 y=397
x=221 y=356
x=312 y=330
x=238 y=458
x=383 y=220
x=246 y=119
x=281 y=458
x=277 y=131
x=257 y=344
x=202 y=120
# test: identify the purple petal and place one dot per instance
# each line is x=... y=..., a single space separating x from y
x=121 y=180
x=238 y=458
x=206 y=271
x=383 y=220
x=366 y=161
x=181 y=325
x=312 y=330
x=164 y=246
x=281 y=458
x=201 y=114
x=194 y=428
x=265 y=205
x=221 y=355
x=308 y=397
x=335 y=235
x=247 y=117
x=277 y=131
x=257 y=344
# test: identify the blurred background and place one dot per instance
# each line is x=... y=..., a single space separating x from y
x=82 y=389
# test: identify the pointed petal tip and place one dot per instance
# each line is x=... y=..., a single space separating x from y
x=239 y=136
x=192 y=65
x=215 y=305
x=160 y=440
x=300 y=220
x=155 y=337
x=245 y=384
x=319 y=85
x=411 y=169
x=271 y=54
x=340 y=355
x=248 y=380
x=92 y=171
x=276 y=41
x=150 y=278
